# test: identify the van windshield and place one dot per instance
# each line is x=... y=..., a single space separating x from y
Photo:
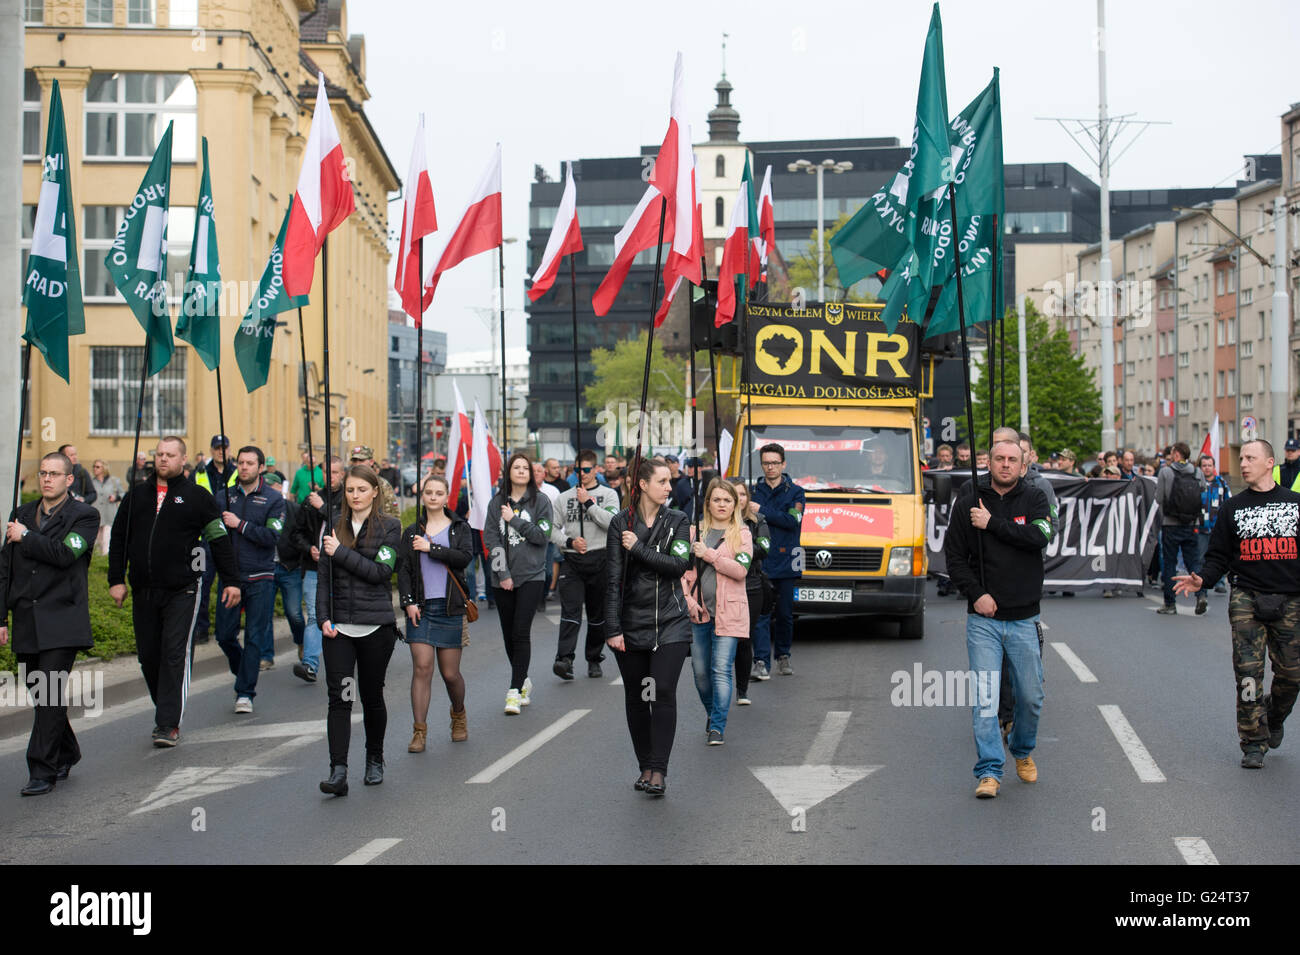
x=833 y=459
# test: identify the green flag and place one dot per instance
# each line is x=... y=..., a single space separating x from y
x=882 y=231
x=138 y=259
x=52 y=281
x=256 y=333
x=199 y=322
x=751 y=254
x=979 y=276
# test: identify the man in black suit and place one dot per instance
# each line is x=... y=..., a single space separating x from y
x=43 y=568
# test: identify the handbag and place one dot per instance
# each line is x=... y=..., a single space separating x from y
x=471 y=608
x=1269 y=607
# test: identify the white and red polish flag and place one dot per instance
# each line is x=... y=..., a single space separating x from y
x=418 y=220
x=458 y=449
x=674 y=176
x=1210 y=445
x=480 y=225
x=566 y=239
x=735 y=259
x=676 y=279
x=484 y=470
x=640 y=232
x=323 y=198
x=766 y=237
x=688 y=266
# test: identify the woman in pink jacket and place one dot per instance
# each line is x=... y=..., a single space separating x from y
x=715 y=597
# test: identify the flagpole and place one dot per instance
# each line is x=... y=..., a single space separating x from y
x=221 y=419
x=139 y=418
x=577 y=397
x=419 y=372
x=501 y=293
x=965 y=367
x=306 y=405
x=634 y=495
x=993 y=317
x=329 y=424
x=18 y=463
x=1002 y=330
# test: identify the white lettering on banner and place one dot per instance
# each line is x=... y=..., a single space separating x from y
x=50 y=288
x=44 y=242
x=149 y=258
x=201 y=249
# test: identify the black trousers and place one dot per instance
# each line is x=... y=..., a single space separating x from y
x=582 y=583
x=362 y=662
x=652 y=706
x=52 y=743
x=164 y=621
x=745 y=648
x=516 y=609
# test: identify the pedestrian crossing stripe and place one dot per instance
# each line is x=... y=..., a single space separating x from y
x=680 y=548
x=386 y=556
x=743 y=560
x=75 y=543
x=275 y=524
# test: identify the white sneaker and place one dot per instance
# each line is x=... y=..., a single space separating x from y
x=513 y=702
x=742 y=701
x=526 y=693
x=243 y=705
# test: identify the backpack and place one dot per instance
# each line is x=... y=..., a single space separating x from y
x=1184 y=504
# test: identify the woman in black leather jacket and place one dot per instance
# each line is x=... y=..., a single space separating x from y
x=354 y=602
x=645 y=613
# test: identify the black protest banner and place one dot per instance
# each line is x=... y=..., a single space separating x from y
x=832 y=352
x=1106 y=531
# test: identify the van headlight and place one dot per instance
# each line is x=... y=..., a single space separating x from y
x=900 y=561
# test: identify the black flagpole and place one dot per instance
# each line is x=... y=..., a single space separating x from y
x=501 y=291
x=1002 y=329
x=577 y=389
x=419 y=373
x=221 y=422
x=139 y=418
x=965 y=367
x=329 y=424
x=634 y=495
x=993 y=315
x=306 y=406
x=18 y=464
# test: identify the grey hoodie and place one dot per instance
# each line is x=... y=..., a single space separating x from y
x=523 y=542
x=596 y=516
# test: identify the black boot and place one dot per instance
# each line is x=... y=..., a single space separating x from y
x=337 y=784
x=374 y=770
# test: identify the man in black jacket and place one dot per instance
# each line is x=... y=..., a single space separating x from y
x=155 y=544
x=994 y=549
x=43 y=569
x=288 y=571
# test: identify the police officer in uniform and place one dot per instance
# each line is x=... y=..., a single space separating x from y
x=43 y=566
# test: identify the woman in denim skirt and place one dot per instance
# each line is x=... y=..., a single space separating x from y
x=434 y=553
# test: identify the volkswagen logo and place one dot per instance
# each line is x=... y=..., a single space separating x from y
x=823 y=559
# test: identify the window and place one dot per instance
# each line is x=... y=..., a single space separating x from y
x=717 y=211
x=1164 y=389
x=32 y=144
x=1218 y=281
x=1232 y=330
x=1232 y=280
x=140 y=13
x=98 y=227
x=1247 y=349
x=34 y=12
x=1184 y=406
x=1232 y=381
x=1182 y=263
x=1263 y=378
x=720 y=167
x=114 y=392
x=1034 y=223
x=183 y=14
x=1218 y=390
x=99 y=13
x=127 y=114
x=1247 y=296
x=1222 y=334
x=1263 y=325
x=1247 y=401
x=1184 y=360
x=1130 y=368
x=1184 y=310
x=29 y=228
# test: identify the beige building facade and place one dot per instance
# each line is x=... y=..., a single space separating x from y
x=242 y=74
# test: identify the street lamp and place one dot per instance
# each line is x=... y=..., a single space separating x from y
x=803 y=165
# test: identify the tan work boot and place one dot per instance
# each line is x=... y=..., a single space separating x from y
x=417 y=740
x=1026 y=770
x=987 y=789
x=459 y=726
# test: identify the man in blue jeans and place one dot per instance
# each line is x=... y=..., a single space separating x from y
x=1179 y=490
x=781 y=501
x=1001 y=575
x=288 y=574
x=253 y=513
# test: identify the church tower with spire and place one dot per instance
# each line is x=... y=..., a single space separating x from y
x=720 y=163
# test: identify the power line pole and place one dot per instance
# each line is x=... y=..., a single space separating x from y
x=11 y=168
x=1279 y=331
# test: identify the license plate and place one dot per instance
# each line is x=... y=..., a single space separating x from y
x=825 y=594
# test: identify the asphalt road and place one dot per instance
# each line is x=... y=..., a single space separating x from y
x=823 y=767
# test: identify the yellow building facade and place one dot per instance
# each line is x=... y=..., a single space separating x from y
x=243 y=74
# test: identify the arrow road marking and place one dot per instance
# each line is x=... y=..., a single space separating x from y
x=195 y=782
x=1074 y=663
x=368 y=852
x=803 y=787
x=1137 y=754
x=1195 y=850
x=523 y=751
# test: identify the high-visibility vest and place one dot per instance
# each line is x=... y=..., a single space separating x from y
x=1277 y=478
x=201 y=479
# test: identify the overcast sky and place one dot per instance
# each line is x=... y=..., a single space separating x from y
x=589 y=79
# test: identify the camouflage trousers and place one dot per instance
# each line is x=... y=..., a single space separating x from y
x=1250 y=637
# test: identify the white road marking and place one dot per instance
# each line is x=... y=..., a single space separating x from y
x=1137 y=754
x=195 y=782
x=526 y=749
x=802 y=787
x=369 y=852
x=1074 y=663
x=617 y=681
x=1195 y=850
x=242 y=731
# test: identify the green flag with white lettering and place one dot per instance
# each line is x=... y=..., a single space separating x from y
x=137 y=261
x=199 y=322
x=256 y=333
x=978 y=241
x=52 y=280
x=882 y=231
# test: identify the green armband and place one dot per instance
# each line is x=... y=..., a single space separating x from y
x=213 y=530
